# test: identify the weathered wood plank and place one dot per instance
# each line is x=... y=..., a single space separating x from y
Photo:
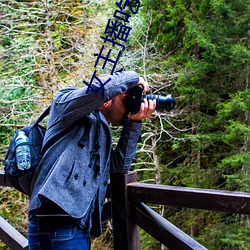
x=11 y=237
x=161 y=229
x=208 y=199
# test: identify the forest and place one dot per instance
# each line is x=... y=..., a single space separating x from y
x=197 y=50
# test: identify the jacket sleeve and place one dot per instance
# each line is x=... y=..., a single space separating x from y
x=124 y=153
x=72 y=104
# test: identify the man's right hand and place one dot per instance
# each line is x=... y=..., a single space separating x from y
x=144 y=84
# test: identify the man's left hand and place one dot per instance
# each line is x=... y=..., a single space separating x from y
x=147 y=108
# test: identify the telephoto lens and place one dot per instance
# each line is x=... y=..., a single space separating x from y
x=135 y=98
x=162 y=102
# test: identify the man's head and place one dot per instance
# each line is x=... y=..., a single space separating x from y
x=115 y=110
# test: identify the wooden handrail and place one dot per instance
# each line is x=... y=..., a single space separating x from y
x=129 y=212
x=208 y=199
x=134 y=194
x=11 y=237
x=161 y=229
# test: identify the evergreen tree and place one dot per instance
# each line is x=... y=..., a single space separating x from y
x=206 y=44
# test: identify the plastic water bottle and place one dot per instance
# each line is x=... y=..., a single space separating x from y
x=23 y=156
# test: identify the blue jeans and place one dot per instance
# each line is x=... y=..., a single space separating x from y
x=57 y=238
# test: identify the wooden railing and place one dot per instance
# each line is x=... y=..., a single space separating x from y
x=129 y=212
x=8 y=234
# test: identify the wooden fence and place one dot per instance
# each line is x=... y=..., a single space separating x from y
x=128 y=199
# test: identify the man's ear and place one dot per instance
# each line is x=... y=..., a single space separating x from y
x=105 y=105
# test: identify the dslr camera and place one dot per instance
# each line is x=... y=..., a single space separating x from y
x=135 y=97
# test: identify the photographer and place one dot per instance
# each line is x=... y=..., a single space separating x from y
x=70 y=185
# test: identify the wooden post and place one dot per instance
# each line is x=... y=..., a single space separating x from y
x=126 y=233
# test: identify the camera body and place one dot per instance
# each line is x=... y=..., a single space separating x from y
x=135 y=97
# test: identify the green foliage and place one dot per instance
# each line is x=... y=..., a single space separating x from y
x=197 y=50
x=14 y=208
x=222 y=235
x=148 y=242
x=206 y=44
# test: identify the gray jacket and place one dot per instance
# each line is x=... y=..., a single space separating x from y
x=67 y=174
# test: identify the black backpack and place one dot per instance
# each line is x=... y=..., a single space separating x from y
x=21 y=179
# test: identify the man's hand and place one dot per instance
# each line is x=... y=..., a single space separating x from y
x=144 y=84
x=147 y=108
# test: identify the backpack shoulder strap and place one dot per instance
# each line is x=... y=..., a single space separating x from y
x=43 y=115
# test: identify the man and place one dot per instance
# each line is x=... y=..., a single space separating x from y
x=69 y=187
